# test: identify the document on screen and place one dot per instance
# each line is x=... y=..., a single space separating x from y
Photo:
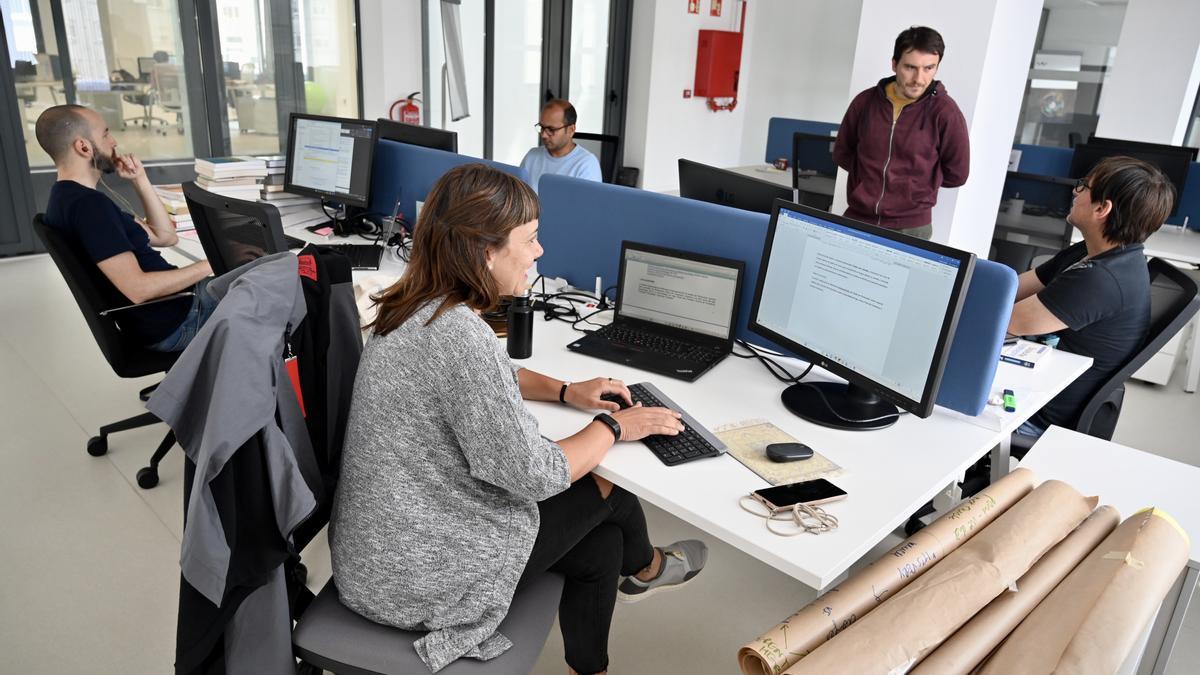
x=678 y=296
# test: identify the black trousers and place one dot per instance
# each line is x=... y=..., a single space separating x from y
x=591 y=541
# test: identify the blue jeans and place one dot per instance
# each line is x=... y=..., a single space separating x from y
x=1030 y=429
x=203 y=304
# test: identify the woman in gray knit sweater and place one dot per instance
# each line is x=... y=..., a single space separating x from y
x=449 y=497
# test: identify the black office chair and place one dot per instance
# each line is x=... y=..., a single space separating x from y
x=1173 y=302
x=604 y=147
x=233 y=231
x=99 y=301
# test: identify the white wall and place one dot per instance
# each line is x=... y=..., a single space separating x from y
x=661 y=126
x=1152 y=89
x=798 y=64
x=988 y=48
x=391 y=53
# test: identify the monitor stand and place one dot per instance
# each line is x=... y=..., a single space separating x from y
x=840 y=406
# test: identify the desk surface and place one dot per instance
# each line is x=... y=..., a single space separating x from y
x=889 y=473
x=1126 y=478
x=820 y=185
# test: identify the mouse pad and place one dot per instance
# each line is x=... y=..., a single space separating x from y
x=748 y=441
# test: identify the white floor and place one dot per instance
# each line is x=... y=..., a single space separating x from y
x=91 y=561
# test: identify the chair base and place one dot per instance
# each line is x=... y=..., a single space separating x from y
x=147 y=477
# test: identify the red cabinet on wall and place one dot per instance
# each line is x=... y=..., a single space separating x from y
x=718 y=63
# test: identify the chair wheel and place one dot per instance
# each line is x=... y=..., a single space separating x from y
x=97 y=446
x=147 y=477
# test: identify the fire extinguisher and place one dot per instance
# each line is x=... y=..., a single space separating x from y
x=410 y=112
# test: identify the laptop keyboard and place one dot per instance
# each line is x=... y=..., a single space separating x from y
x=293 y=242
x=694 y=442
x=659 y=344
x=362 y=256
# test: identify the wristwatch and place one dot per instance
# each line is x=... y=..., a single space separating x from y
x=613 y=426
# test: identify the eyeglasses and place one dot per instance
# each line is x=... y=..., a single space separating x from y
x=1081 y=185
x=543 y=129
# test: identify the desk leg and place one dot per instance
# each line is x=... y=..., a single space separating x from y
x=1000 y=455
x=1165 y=630
x=1193 y=364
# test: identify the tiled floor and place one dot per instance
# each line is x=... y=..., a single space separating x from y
x=90 y=577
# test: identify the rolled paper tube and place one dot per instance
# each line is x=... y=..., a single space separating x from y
x=777 y=649
x=1091 y=621
x=912 y=623
x=972 y=643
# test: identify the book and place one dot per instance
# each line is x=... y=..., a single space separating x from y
x=1024 y=353
x=273 y=179
x=229 y=167
x=250 y=181
x=272 y=188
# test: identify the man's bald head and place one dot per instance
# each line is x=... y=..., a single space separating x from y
x=58 y=127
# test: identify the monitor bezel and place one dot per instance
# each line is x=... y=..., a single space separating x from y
x=417 y=135
x=739 y=265
x=922 y=407
x=693 y=169
x=335 y=197
x=1177 y=159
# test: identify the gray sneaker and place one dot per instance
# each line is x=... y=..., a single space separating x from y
x=680 y=562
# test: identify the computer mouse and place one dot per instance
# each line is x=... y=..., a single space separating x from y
x=788 y=452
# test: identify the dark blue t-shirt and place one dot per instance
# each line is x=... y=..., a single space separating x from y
x=1105 y=303
x=91 y=222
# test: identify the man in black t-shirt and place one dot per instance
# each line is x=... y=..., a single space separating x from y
x=79 y=142
x=1095 y=295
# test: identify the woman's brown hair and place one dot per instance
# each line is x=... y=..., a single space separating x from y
x=470 y=209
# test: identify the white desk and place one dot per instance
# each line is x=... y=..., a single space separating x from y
x=1131 y=480
x=889 y=473
x=820 y=185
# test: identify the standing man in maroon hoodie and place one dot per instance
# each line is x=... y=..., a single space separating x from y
x=903 y=139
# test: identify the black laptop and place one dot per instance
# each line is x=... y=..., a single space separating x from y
x=675 y=312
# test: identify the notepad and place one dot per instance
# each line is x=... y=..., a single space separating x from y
x=1024 y=353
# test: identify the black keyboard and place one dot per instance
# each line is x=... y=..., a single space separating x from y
x=293 y=242
x=362 y=256
x=660 y=344
x=694 y=442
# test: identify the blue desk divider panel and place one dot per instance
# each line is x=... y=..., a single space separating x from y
x=975 y=352
x=407 y=172
x=780 y=130
x=584 y=222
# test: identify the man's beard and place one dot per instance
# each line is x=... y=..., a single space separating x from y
x=102 y=163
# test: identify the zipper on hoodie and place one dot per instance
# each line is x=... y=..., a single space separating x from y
x=891 y=135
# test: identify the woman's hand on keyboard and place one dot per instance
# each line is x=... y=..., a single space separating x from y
x=639 y=422
x=587 y=395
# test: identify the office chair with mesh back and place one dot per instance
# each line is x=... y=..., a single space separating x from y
x=233 y=231
x=100 y=301
x=604 y=147
x=1173 y=302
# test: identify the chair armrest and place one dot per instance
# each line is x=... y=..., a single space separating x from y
x=173 y=296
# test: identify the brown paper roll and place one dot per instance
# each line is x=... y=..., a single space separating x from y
x=1090 y=622
x=971 y=644
x=912 y=623
x=834 y=611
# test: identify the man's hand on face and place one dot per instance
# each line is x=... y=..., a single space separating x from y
x=129 y=167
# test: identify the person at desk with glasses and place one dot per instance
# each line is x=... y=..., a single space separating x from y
x=1095 y=294
x=83 y=150
x=449 y=497
x=558 y=153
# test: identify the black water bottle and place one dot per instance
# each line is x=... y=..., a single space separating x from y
x=520 y=327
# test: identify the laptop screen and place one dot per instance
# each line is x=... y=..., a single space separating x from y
x=678 y=290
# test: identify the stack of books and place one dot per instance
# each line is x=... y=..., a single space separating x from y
x=177 y=208
x=273 y=183
x=238 y=177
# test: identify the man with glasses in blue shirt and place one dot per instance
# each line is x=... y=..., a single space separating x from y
x=558 y=153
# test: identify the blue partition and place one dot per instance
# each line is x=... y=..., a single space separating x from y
x=407 y=172
x=583 y=223
x=780 y=130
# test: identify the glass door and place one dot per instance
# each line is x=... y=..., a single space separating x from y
x=589 y=63
x=517 y=78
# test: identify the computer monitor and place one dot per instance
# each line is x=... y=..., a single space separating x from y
x=1172 y=161
x=1111 y=142
x=729 y=188
x=426 y=137
x=233 y=70
x=330 y=158
x=145 y=66
x=812 y=155
x=871 y=305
